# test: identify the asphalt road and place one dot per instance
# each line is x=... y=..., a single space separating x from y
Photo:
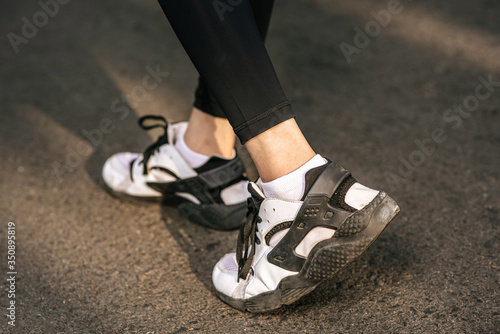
x=411 y=107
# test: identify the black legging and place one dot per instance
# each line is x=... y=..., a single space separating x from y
x=204 y=99
x=224 y=39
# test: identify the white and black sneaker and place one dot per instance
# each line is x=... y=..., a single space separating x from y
x=213 y=195
x=287 y=248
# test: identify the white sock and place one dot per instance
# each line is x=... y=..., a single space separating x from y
x=291 y=186
x=193 y=158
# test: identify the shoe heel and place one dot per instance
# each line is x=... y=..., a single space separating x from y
x=334 y=254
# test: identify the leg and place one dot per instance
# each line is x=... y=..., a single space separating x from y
x=279 y=150
x=208 y=130
x=295 y=238
x=204 y=99
x=207 y=134
x=201 y=151
x=253 y=101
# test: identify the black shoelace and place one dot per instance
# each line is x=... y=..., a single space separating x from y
x=150 y=150
x=247 y=237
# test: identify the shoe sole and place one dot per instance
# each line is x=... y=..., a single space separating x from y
x=215 y=216
x=325 y=260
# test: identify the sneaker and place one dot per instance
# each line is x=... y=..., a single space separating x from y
x=287 y=248
x=213 y=195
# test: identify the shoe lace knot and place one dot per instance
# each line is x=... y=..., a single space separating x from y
x=247 y=238
x=153 y=148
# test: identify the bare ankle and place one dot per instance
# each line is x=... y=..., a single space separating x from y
x=279 y=150
x=209 y=135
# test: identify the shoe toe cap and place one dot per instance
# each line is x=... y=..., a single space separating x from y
x=225 y=277
x=116 y=170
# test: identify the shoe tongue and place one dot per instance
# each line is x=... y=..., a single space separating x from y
x=255 y=190
x=175 y=130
